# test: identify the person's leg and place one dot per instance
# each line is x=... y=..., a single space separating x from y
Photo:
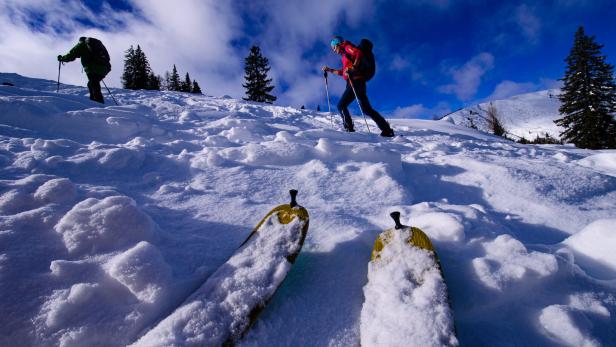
x=360 y=89
x=343 y=107
x=94 y=86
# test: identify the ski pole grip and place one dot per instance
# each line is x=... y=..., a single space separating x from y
x=325 y=73
x=293 y=193
x=396 y=217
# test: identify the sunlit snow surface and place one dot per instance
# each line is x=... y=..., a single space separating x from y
x=110 y=217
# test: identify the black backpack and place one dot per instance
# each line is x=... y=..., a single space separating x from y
x=368 y=64
x=98 y=52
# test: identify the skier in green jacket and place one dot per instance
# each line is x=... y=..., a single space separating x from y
x=95 y=61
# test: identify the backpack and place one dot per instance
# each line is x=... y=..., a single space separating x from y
x=98 y=52
x=368 y=63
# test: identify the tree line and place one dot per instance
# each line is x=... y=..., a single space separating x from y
x=139 y=75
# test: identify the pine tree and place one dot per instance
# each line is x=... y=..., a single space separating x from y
x=187 y=84
x=142 y=70
x=154 y=82
x=174 y=80
x=588 y=96
x=137 y=72
x=195 y=88
x=129 y=69
x=257 y=85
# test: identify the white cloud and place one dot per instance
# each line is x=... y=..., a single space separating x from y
x=290 y=28
x=421 y=111
x=413 y=111
x=195 y=35
x=507 y=89
x=529 y=23
x=548 y=83
x=467 y=77
x=399 y=63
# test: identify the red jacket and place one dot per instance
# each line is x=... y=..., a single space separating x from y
x=351 y=57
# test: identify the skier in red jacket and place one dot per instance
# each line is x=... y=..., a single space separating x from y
x=351 y=62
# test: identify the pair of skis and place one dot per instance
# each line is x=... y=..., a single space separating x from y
x=222 y=310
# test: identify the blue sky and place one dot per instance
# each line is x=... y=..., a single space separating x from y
x=432 y=56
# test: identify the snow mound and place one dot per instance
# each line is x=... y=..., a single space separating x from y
x=35 y=191
x=405 y=299
x=143 y=271
x=53 y=115
x=93 y=226
x=570 y=325
x=596 y=243
x=507 y=261
x=602 y=162
x=59 y=191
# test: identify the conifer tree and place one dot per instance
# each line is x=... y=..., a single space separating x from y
x=588 y=96
x=128 y=81
x=257 y=85
x=154 y=82
x=137 y=72
x=195 y=88
x=174 y=80
x=187 y=84
x=141 y=70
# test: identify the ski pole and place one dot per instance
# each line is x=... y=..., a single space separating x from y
x=114 y=100
x=59 y=65
x=358 y=103
x=329 y=106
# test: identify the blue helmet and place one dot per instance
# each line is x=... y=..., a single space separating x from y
x=336 y=41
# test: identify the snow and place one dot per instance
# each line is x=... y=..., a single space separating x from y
x=506 y=261
x=405 y=298
x=111 y=216
x=570 y=324
x=527 y=115
x=596 y=242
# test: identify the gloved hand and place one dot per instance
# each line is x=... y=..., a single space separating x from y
x=327 y=69
x=59 y=57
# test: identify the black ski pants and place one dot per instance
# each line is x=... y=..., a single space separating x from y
x=94 y=86
x=347 y=98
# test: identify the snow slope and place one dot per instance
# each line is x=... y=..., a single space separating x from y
x=526 y=115
x=111 y=216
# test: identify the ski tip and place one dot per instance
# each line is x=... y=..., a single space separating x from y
x=396 y=217
x=293 y=193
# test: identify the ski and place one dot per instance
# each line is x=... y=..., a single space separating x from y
x=405 y=299
x=228 y=303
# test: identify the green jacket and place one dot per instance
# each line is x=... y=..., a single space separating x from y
x=89 y=65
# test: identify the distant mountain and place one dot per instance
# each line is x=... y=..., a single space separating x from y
x=526 y=115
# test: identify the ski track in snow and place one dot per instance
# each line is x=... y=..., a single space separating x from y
x=111 y=216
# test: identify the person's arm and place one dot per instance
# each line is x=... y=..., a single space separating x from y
x=73 y=54
x=356 y=55
x=334 y=71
